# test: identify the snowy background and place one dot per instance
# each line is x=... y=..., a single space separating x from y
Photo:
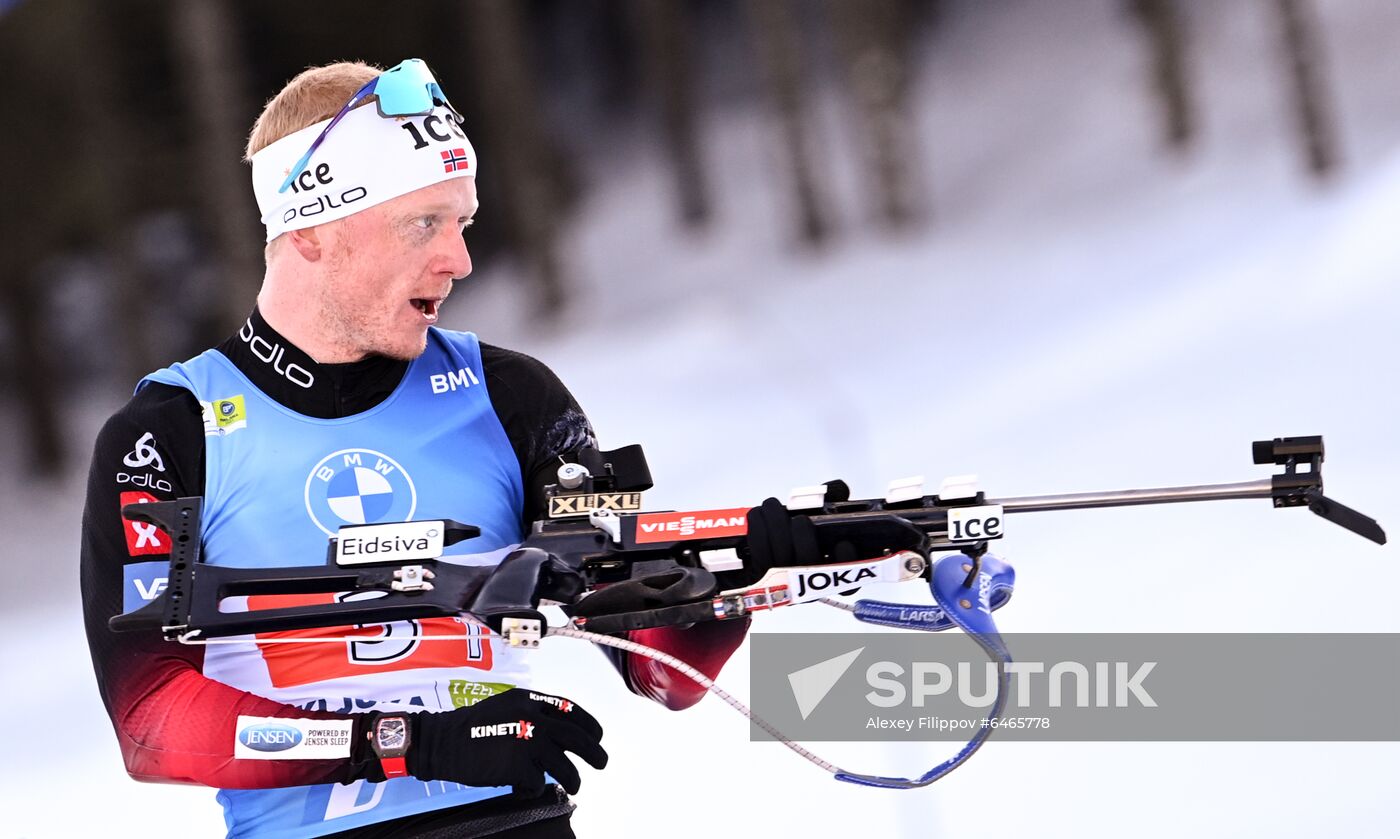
x=1083 y=312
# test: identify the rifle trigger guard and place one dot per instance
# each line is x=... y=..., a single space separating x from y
x=516 y=586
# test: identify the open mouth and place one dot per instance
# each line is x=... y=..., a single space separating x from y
x=428 y=306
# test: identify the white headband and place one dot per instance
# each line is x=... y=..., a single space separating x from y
x=365 y=160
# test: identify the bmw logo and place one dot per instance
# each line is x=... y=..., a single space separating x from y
x=358 y=486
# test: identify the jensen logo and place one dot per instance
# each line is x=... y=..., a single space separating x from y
x=292 y=738
x=270 y=737
x=562 y=506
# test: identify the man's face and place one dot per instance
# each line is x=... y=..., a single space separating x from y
x=390 y=267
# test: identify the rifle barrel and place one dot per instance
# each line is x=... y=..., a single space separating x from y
x=1262 y=488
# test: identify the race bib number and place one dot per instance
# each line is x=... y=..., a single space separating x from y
x=372 y=648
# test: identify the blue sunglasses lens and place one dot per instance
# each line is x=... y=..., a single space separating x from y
x=407 y=89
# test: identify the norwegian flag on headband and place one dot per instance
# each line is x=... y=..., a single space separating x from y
x=454 y=160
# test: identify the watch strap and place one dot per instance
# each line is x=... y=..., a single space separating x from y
x=394 y=767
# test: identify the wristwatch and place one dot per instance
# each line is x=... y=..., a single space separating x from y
x=390 y=740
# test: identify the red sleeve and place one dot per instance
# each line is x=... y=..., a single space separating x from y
x=704 y=646
x=181 y=730
x=172 y=723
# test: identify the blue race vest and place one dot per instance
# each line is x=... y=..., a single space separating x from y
x=278 y=484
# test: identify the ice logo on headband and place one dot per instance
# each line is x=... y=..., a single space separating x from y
x=434 y=126
x=317 y=175
x=309 y=180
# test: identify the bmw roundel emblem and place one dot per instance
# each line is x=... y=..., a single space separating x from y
x=358 y=486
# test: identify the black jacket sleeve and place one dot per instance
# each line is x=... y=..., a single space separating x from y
x=542 y=419
x=545 y=423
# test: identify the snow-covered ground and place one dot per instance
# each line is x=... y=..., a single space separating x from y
x=1082 y=313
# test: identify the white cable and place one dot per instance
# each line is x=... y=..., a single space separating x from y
x=696 y=676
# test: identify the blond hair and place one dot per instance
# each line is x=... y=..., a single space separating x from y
x=316 y=94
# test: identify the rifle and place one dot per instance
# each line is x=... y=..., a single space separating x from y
x=595 y=535
x=678 y=567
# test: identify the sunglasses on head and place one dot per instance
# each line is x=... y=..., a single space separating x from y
x=405 y=90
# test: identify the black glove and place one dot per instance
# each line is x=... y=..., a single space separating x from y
x=779 y=538
x=512 y=738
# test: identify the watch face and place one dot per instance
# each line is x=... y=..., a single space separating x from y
x=391 y=733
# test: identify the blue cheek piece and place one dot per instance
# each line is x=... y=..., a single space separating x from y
x=990 y=591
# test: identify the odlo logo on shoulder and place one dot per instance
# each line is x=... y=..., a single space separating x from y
x=522 y=730
x=358 y=486
x=270 y=737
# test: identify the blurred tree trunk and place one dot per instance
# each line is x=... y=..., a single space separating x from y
x=662 y=26
x=212 y=69
x=1161 y=21
x=509 y=101
x=1312 y=103
x=74 y=152
x=40 y=134
x=873 y=37
x=778 y=40
x=32 y=367
x=113 y=136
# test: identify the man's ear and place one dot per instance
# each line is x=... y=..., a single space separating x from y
x=307 y=242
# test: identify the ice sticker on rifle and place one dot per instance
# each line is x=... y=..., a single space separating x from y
x=401 y=542
x=975 y=523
